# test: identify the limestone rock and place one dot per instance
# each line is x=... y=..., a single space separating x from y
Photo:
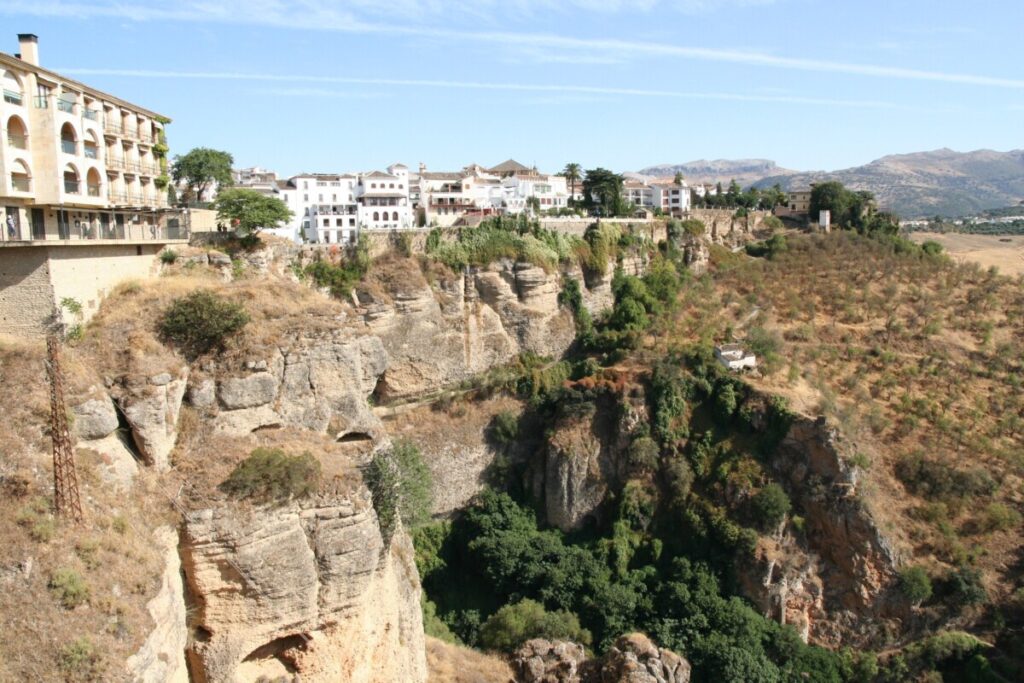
x=161 y=659
x=95 y=418
x=202 y=393
x=308 y=589
x=218 y=259
x=635 y=659
x=548 y=661
x=253 y=390
x=152 y=411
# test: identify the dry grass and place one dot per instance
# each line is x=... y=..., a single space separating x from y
x=1005 y=252
x=448 y=663
x=908 y=354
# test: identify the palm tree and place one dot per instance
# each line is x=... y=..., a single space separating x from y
x=572 y=173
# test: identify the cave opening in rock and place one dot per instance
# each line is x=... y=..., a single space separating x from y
x=355 y=437
x=276 y=657
x=125 y=435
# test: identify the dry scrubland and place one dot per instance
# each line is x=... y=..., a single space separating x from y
x=918 y=358
x=1005 y=252
x=78 y=595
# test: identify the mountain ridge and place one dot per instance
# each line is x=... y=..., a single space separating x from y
x=933 y=182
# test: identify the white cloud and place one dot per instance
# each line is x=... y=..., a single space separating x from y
x=473 y=85
x=323 y=15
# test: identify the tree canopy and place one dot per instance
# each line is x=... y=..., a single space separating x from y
x=200 y=168
x=603 y=188
x=249 y=211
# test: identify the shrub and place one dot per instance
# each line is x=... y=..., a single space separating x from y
x=80 y=661
x=68 y=587
x=1000 y=517
x=773 y=223
x=770 y=506
x=963 y=587
x=505 y=427
x=510 y=626
x=643 y=455
x=401 y=486
x=168 y=256
x=269 y=474
x=202 y=321
x=915 y=584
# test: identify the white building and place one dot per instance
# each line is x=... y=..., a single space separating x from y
x=671 y=198
x=383 y=199
x=734 y=357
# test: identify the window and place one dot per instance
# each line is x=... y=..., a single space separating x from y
x=392 y=186
x=305 y=197
x=376 y=215
x=327 y=222
x=305 y=184
x=394 y=216
x=338 y=222
x=352 y=222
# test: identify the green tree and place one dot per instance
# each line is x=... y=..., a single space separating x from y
x=770 y=505
x=201 y=168
x=514 y=624
x=401 y=485
x=603 y=188
x=249 y=211
x=915 y=584
x=678 y=180
x=202 y=321
x=572 y=173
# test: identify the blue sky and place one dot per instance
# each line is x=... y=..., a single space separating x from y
x=324 y=85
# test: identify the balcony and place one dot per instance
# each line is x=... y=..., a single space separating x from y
x=72 y=187
x=17 y=141
x=132 y=133
x=116 y=163
x=112 y=128
x=21 y=184
x=115 y=197
x=11 y=97
x=91 y=114
x=65 y=106
x=68 y=147
x=91 y=153
x=94 y=190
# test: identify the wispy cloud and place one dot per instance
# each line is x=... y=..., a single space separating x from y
x=323 y=15
x=473 y=85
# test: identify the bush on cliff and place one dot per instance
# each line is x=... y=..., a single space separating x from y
x=202 y=322
x=401 y=486
x=271 y=475
x=512 y=625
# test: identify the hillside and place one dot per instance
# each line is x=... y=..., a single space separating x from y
x=745 y=171
x=941 y=182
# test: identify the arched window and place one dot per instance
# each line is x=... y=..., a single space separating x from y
x=13 y=93
x=17 y=133
x=376 y=215
x=68 y=139
x=92 y=182
x=71 y=180
x=394 y=215
x=21 y=178
x=91 y=146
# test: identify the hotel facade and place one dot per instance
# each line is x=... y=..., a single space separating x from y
x=83 y=192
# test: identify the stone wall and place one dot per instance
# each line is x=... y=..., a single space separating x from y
x=26 y=296
x=34 y=279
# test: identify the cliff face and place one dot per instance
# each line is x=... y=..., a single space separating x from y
x=447 y=332
x=307 y=589
x=838 y=584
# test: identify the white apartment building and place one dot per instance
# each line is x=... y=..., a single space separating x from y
x=672 y=199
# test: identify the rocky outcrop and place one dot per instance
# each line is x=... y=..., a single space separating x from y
x=837 y=583
x=151 y=406
x=632 y=659
x=307 y=589
x=95 y=417
x=321 y=384
x=161 y=659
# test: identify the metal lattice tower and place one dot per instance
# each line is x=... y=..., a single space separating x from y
x=65 y=478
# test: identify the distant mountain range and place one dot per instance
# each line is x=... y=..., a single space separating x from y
x=941 y=182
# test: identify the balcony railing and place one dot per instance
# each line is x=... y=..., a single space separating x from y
x=115 y=163
x=94 y=190
x=91 y=153
x=91 y=114
x=17 y=141
x=69 y=146
x=131 y=132
x=21 y=184
x=12 y=97
x=71 y=187
x=112 y=127
x=116 y=197
x=65 y=106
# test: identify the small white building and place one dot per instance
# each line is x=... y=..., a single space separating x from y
x=734 y=357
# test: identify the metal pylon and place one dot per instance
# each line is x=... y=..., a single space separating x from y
x=65 y=478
